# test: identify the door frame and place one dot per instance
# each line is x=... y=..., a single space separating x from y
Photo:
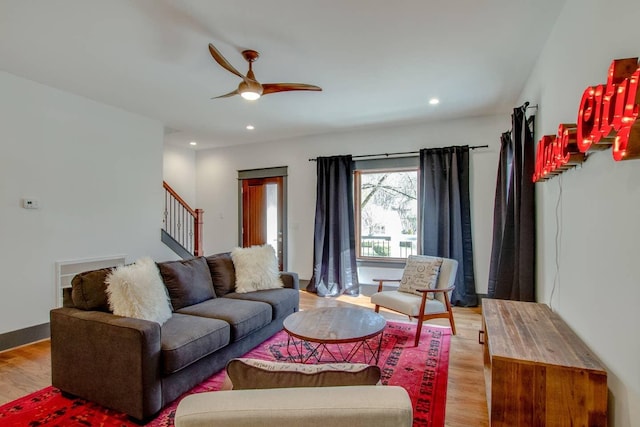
x=280 y=171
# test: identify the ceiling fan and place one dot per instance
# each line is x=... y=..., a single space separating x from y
x=249 y=88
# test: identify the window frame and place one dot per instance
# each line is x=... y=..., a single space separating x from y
x=379 y=167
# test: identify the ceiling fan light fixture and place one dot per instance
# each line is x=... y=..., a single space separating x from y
x=250 y=95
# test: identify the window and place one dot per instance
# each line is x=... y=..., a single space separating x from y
x=386 y=204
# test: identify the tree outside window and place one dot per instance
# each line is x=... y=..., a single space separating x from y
x=387 y=211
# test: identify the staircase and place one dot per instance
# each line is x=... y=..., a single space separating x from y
x=181 y=225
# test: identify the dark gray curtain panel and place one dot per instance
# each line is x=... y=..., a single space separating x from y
x=334 y=248
x=512 y=268
x=445 y=215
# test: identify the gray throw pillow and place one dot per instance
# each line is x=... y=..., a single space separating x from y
x=223 y=273
x=188 y=281
x=89 y=291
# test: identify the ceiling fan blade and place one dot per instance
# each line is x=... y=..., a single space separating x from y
x=268 y=88
x=226 y=95
x=223 y=62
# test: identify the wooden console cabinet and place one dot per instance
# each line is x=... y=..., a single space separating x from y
x=538 y=372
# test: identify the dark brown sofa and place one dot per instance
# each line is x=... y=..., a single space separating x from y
x=137 y=366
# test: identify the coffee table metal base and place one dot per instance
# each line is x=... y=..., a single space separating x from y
x=335 y=334
x=365 y=351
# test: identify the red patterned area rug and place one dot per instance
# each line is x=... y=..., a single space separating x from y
x=422 y=371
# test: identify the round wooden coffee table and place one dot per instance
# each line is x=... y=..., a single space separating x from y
x=335 y=334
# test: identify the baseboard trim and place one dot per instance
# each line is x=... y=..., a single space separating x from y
x=24 y=336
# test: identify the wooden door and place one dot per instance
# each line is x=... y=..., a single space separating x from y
x=262 y=213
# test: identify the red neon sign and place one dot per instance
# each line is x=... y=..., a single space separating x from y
x=608 y=115
x=557 y=153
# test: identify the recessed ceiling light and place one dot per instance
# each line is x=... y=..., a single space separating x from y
x=434 y=101
x=250 y=127
x=193 y=143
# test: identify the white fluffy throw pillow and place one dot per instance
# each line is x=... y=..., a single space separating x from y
x=137 y=291
x=256 y=269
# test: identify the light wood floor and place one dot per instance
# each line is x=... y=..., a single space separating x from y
x=26 y=369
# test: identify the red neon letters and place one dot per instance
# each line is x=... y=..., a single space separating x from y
x=608 y=115
x=557 y=153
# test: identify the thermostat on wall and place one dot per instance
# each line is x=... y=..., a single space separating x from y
x=30 y=204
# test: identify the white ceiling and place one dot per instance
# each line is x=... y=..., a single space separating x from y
x=378 y=61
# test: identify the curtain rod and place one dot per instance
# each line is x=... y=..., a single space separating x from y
x=405 y=153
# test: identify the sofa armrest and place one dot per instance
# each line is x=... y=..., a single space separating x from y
x=108 y=359
x=290 y=280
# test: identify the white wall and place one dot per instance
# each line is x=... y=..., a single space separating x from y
x=217 y=188
x=596 y=291
x=179 y=171
x=96 y=171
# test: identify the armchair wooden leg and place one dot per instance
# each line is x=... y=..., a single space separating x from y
x=450 y=311
x=453 y=324
x=377 y=309
x=423 y=304
x=418 y=330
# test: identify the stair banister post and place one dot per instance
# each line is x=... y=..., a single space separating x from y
x=198 y=250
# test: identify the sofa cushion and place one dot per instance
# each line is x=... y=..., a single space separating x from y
x=89 y=291
x=283 y=302
x=256 y=268
x=188 y=281
x=186 y=339
x=255 y=374
x=223 y=273
x=244 y=317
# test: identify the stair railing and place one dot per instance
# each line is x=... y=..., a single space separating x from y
x=181 y=222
